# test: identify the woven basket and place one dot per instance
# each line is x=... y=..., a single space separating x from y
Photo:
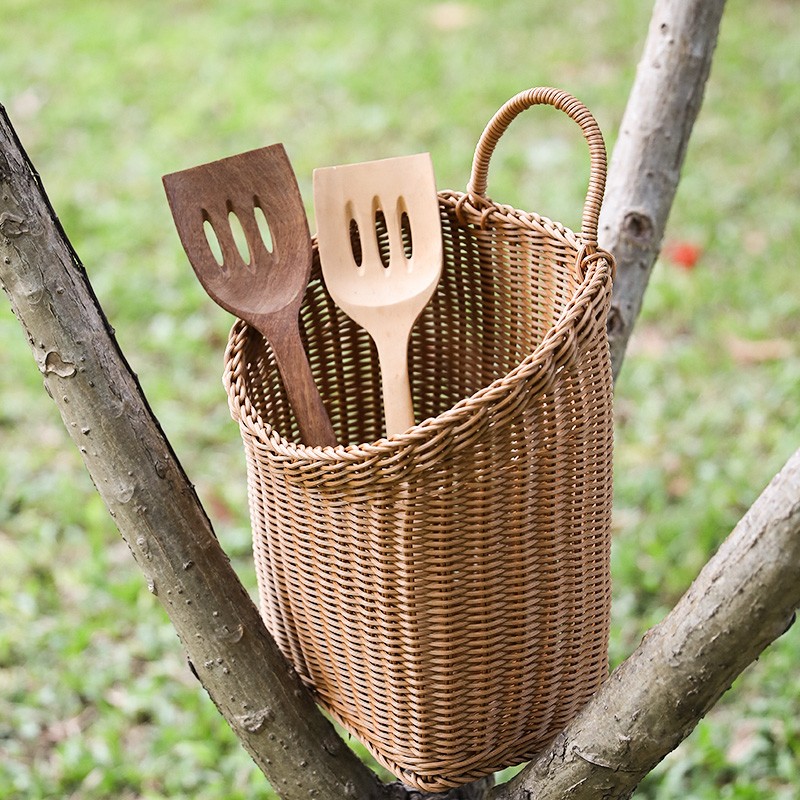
x=445 y=592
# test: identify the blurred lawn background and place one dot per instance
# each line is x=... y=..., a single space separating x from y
x=95 y=698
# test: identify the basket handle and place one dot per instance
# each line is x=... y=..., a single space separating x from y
x=591 y=131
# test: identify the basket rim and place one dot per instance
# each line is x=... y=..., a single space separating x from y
x=557 y=345
x=482 y=211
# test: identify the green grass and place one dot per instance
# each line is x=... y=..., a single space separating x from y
x=95 y=698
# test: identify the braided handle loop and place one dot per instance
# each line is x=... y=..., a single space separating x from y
x=591 y=131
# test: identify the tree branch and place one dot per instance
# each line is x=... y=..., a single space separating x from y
x=648 y=156
x=153 y=503
x=643 y=178
x=743 y=599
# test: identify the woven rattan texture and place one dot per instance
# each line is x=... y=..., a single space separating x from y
x=446 y=592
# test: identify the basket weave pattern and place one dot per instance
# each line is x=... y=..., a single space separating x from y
x=446 y=591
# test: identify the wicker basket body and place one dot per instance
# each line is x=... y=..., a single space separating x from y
x=446 y=591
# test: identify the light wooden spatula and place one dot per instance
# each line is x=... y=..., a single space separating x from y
x=380 y=247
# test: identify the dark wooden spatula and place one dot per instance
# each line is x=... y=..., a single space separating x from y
x=261 y=278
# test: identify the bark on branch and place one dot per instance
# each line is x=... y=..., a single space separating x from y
x=153 y=503
x=744 y=599
x=648 y=156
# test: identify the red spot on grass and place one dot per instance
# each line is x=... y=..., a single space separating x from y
x=682 y=254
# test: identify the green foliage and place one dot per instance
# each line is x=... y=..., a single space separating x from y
x=95 y=698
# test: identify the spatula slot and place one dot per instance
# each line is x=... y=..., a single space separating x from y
x=382 y=233
x=213 y=242
x=239 y=237
x=263 y=225
x=355 y=243
x=405 y=231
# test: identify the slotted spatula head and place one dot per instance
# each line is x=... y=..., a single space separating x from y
x=261 y=279
x=379 y=234
x=380 y=246
x=258 y=191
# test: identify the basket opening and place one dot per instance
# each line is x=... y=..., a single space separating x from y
x=502 y=289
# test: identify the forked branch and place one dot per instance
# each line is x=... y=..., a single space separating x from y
x=742 y=600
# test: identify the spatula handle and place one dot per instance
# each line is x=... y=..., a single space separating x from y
x=304 y=397
x=398 y=407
